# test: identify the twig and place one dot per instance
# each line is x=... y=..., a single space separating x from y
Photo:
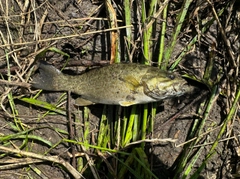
x=227 y=42
x=54 y=159
x=17 y=163
x=66 y=37
x=71 y=130
x=152 y=141
x=15 y=83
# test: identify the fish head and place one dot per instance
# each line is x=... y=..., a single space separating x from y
x=166 y=85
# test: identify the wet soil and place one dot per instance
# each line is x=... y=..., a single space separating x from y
x=62 y=18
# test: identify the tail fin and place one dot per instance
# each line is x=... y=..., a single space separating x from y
x=49 y=78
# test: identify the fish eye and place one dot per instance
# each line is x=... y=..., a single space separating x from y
x=171 y=76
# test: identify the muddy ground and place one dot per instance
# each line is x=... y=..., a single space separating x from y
x=38 y=24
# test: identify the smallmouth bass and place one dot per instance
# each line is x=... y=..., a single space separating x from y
x=116 y=84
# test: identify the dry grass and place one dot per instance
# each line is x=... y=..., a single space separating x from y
x=42 y=132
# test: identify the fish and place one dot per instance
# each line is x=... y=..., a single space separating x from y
x=122 y=84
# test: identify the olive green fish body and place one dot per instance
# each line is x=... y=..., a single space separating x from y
x=124 y=84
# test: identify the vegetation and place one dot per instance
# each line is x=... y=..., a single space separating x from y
x=42 y=131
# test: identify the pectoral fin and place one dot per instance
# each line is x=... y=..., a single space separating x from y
x=83 y=102
x=131 y=82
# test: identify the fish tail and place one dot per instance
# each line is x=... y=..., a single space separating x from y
x=49 y=78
